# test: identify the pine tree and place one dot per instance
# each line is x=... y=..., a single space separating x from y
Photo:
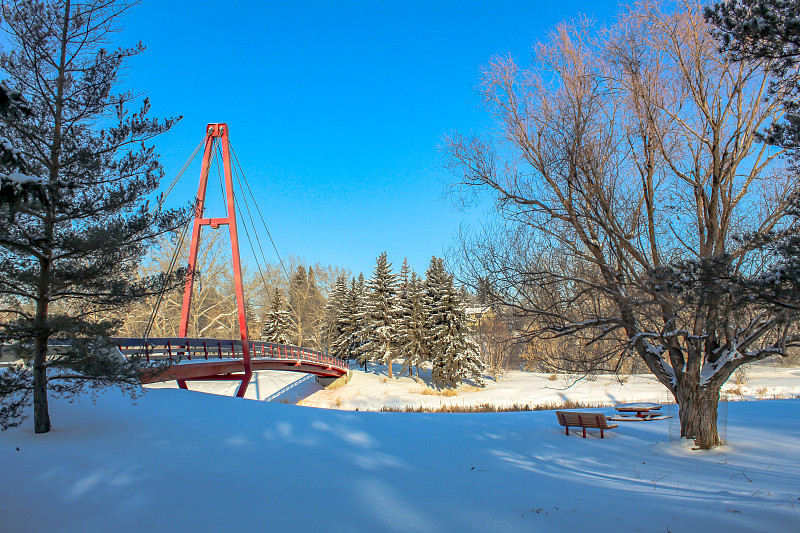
x=71 y=252
x=363 y=323
x=276 y=325
x=333 y=311
x=403 y=279
x=453 y=354
x=413 y=330
x=348 y=341
x=15 y=185
x=769 y=31
x=380 y=314
x=461 y=360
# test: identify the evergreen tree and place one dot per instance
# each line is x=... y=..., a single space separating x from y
x=768 y=31
x=333 y=312
x=277 y=325
x=348 y=341
x=15 y=185
x=70 y=252
x=363 y=323
x=403 y=279
x=454 y=355
x=298 y=290
x=413 y=329
x=380 y=314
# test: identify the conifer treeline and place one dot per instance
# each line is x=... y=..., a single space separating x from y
x=393 y=318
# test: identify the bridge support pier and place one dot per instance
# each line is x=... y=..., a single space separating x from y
x=332 y=382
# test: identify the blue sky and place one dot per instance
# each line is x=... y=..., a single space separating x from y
x=336 y=109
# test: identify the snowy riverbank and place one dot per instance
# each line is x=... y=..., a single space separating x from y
x=374 y=390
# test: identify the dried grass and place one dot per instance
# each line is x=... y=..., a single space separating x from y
x=492 y=408
x=427 y=391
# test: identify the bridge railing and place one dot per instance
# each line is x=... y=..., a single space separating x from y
x=271 y=350
x=197 y=349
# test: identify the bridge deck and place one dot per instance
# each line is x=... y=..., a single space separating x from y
x=212 y=359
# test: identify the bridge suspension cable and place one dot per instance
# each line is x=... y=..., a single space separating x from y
x=258 y=210
x=180 y=173
x=240 y=177
x=236 y=173
x=176 y=253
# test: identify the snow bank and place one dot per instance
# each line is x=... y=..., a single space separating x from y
x=185 y=461
x=372 y=390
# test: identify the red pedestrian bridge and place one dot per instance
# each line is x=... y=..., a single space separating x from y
x=217 y=359
x=198 y=359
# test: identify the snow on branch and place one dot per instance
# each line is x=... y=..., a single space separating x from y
x=19 y=179
x=656 y=352
x=710 y=368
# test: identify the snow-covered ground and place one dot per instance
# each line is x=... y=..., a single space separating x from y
x=373 y=390
x=187 y=461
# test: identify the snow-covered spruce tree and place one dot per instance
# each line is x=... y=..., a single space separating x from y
x=333 y=310
x=412 y=330
x=363 y=325
x=403 y=280
x=348 y=341
x=453 y=354
x=380 y=314
x=632 y=150
x=71 y=253
x=276 y=324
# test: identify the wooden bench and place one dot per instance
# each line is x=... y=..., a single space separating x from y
x=573 y=419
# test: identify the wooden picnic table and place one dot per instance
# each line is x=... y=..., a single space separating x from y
x=642 y=409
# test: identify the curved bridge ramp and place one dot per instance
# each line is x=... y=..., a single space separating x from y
x=203 y=359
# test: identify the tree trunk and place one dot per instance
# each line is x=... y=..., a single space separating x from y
x=698 y=414
x=41 y=412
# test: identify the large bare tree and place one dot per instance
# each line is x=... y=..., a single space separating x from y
x=624 y=156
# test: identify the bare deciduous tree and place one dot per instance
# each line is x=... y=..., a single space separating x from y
x=619 y=153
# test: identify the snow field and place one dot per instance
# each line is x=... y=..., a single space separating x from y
x=186 y=461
